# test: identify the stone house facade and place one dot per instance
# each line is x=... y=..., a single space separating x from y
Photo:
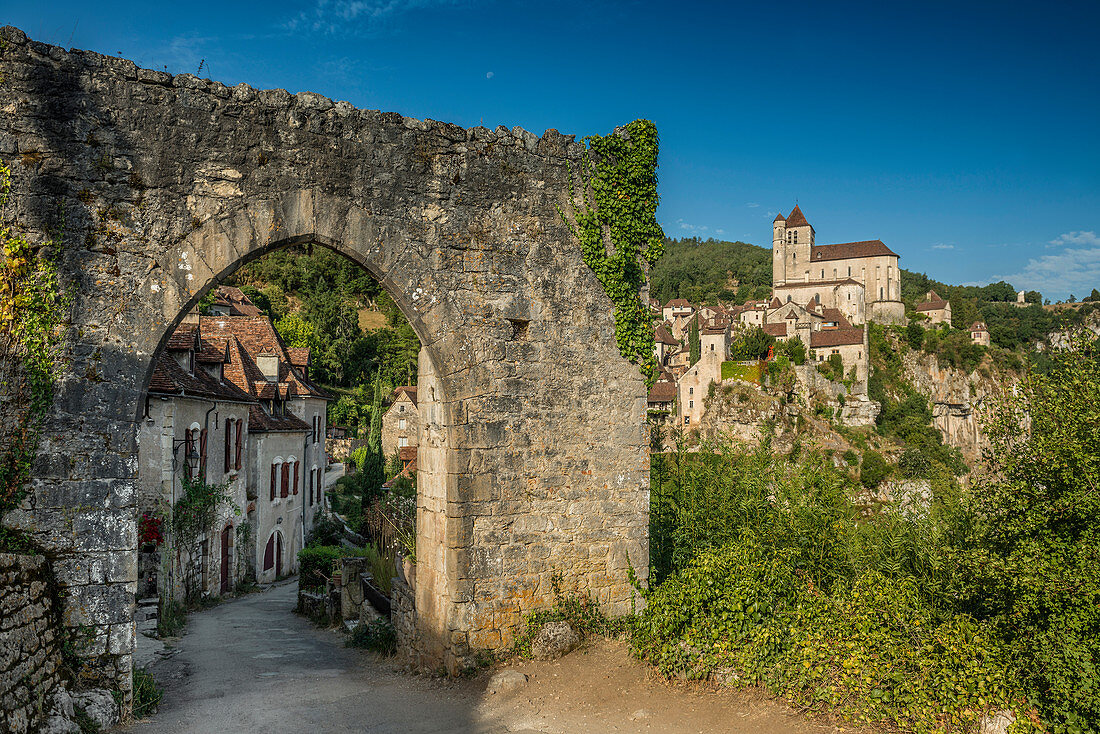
x=979 y=333
x=400 y=422
x=693 y=387
x=195 y=424
x=935 y=309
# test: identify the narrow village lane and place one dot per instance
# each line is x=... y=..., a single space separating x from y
x=252 y=665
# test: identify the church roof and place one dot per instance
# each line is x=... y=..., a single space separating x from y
x=779 y=218
x=850 y=250
x=797 y=218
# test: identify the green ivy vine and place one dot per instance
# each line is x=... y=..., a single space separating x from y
x=615 y=215
x=32 y=308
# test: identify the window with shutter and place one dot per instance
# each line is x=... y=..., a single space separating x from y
x=295 y=485
x=273 y=482
x=240 y=443
x=284 y=491
x=228 y=443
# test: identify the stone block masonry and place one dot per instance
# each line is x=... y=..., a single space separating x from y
x=532 y=449
x=30 y=644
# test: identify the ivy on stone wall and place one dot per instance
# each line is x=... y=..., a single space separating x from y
x=32 y=308
x=616 y=222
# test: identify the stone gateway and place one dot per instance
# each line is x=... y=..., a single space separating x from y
x=532 y=450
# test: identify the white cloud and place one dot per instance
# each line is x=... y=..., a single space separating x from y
x=752 y=205
x=331 y=16
x=1088 y=239
x=1073 y=270
x=691 y=227
x=489 y=75
x=941 y=246
x=719 y=231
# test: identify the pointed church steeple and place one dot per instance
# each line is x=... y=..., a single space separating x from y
x=797 y=218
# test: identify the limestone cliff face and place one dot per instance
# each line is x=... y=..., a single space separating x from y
x=956 y=398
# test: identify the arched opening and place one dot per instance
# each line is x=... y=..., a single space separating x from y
x=284 y=365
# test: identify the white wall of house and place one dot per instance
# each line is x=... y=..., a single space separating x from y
x=165 y=426
x=280 y=519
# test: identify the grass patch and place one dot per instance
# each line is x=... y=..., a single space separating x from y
x=377 y=635
x=147 y=693
x=745 y=372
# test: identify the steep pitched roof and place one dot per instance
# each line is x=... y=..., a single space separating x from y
x=408 y=390
x=834 y=314
x=299 y=356
x=236 y=301
x=836 y=337
x=678 y=303
x=247 y=337
x=260 y=420
x=978 y=326
x=847 y=250
x=797 y=219
x=185 y=337
x=932 y=303
x=662 y=336
x=779 y=218
x=171 y=379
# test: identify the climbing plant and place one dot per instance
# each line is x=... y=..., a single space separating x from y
x=195 y=516
x=615 y=220
x=32 y=318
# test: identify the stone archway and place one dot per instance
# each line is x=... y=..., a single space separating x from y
x=536 y=462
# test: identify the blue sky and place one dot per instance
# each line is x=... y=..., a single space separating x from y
x=964 y=135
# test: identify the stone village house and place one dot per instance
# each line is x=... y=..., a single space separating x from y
x=400 y=422
x=230 y=402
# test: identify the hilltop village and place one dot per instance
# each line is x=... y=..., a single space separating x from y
x=816 y=324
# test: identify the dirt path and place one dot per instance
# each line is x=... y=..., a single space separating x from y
x=252 y=665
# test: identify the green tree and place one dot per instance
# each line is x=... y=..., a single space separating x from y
x=1037 y=534
x=297 y=332
x=914 y=334
x=751 y=344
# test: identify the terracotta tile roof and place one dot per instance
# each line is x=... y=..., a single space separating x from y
x=847 y=250
x=210 y=353
x=247 y=337
x=237 y=301
x=662 y=336
x=409 y=390
x=171 y=379
x=261 y=421
x=775 y=303
x=776 y=330
x=299 y=356
x=836 y=337
x=932 y=303
x=978 y=326
x=779 y=218
x=797 y=219
x=663 y=391
x=406 y=453
x=707 y=331
x=834 y=314
x=185 y=337
x=678 y=303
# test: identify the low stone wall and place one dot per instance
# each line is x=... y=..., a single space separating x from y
x=403 y=616
x=30 y=644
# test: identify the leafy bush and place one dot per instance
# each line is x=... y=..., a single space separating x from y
x=753 y=343
x=147 y=694
x=872 y=650
x=378 y=635
x=914 y=335
x=873 y=469
x=316 y=564
x=1033 y=556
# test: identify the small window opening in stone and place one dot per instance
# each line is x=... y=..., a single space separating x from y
x=519 y=329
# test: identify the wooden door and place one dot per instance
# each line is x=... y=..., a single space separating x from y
x=225 y=559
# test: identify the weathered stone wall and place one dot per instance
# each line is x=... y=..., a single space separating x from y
x=30 y=644
x=159 y=185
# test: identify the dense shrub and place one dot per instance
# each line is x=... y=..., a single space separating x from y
x=1033 y=558
x=873 y=469
x=378 y=635
x=753 y=343
x=316 y=564
x=914 y=334
x=872 y=650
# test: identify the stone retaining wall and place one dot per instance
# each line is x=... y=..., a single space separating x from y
x=30 y=644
